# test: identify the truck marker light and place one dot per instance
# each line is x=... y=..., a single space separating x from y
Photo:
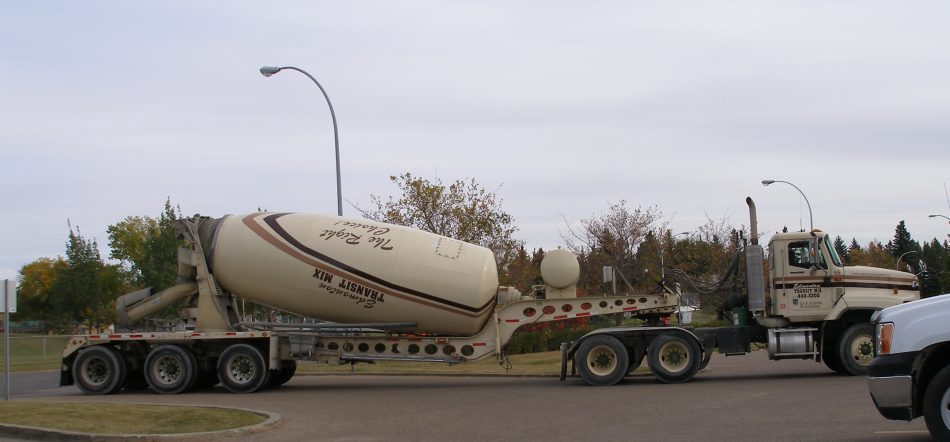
x=885 y=333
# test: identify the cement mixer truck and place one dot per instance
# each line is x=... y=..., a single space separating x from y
x=391 y=292
x=398 y=294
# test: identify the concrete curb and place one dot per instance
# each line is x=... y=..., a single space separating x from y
x=36 y=433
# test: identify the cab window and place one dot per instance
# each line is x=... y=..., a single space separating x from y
x=798 y=255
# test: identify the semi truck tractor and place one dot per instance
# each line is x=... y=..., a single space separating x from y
x=400 y=294
x=810 y=306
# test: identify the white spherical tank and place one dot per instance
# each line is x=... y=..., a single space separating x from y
x=355 y=270
x=560 y=269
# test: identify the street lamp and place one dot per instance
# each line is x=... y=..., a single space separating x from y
x=811 y=220
x=897 y=266
x=267 y=71
x=942 y=216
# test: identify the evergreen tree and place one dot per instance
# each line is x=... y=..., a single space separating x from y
x=902 y=242
x=842 y=250
x=83 y=291
x=854 y=245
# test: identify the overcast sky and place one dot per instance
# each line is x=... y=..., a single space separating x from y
x=109 y=107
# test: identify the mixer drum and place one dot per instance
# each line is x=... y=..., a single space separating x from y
x=355 y=270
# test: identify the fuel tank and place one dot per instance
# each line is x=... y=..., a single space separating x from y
x=354 y=270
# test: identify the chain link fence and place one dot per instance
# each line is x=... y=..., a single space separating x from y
x=34 y=352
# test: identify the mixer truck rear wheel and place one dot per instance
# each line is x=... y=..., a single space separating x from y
x=99 y=370
x=673 y=359
x=170 y=369
x=602 y=360
x=856 y=348
x=242 y=369
x=280 y=377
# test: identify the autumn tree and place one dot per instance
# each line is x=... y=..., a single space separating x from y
x=463 y=210
x=35 y=288
x=611 y=238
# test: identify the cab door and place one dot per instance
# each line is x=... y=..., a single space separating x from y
x=807 y=287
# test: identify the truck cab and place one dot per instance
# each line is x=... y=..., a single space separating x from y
x=810 y=282
x=810 y=286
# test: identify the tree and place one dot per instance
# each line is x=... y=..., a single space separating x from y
x=612 y=238
x=35 y=288
x=874 y=255
x=842 y=249
x=902 y=242
x=84 y=291
x=463 y=210
x=147 y=247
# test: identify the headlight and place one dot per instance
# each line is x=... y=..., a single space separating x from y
x=884 y=334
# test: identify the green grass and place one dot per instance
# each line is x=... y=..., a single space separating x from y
x=34 y=352
x=103 y=418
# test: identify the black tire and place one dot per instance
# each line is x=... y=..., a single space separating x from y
x=286 y=373
x=170 y=369
x=831 y=359
x=856 y=349
x=937 y=405
x=242 y=369
x=99 y=370
x=673 y=358
x=601 y=360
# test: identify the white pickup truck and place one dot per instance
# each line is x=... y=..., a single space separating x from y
x=910 y=375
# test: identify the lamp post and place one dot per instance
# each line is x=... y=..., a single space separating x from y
x=942 y=216
x=899 y=258
x=267 y=71
x=811 y=220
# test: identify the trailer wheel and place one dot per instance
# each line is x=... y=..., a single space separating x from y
x=170 y=369
x=601 y=360
x=286 y=373
x=856 y=349
x=937 y=405
x=242 y=369
x=673 y=359
x=99 y=370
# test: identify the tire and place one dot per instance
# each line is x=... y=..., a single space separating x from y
x=829 y=353
x=170 y=369
x=286 y=373
x=242 y=369
x=601 y=360
x=937 y=405
x=674 y=359
x=831 y=359
x=856 y=349
x=99 y=370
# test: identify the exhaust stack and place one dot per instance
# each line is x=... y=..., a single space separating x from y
x=754 y=264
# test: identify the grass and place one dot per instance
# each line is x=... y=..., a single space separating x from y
x=123 y=418
x=34 y=352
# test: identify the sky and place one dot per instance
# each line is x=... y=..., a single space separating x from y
x=110 y=107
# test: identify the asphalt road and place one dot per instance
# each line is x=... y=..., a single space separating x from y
x=736 y=398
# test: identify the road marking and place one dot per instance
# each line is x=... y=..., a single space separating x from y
x=902 y=432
